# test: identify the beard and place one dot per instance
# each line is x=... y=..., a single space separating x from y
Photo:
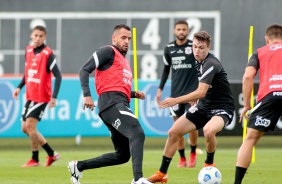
x=122 y=49
x=181 y=37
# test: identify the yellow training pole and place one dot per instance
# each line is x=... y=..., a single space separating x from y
x=252 y=95
x=135 y=70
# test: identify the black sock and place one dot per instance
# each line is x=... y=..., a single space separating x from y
x=35 y=156
x=165 y=164
x=210 y=157
x=182 y=153
x=48 y=149
x=193 y=148
x=239 y=174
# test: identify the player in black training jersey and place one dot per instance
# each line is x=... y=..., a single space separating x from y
x=179 y=58
x=213 y=112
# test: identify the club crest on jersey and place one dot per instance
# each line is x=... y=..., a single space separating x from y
x=188 y=50
x=116 y=124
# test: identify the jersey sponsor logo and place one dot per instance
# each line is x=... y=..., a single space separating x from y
x=170 y=45
x=177 y=63
x=278 y=93
x=156 y=119
x=260 y=121
x=275 y=47
x=127 y=76
x=8 y=106
x=275 y=86
x=31 y=72
x=275 y=78
x=30 y=78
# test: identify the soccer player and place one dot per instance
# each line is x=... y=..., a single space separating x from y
x=113 y=80
x=213 y=112
x=266 y=113
x=40 y=63
x=184 y=79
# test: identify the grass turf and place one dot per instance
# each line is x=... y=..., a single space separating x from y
x=15 y=152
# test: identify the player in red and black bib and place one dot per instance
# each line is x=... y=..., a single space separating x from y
x=265 y=115
x=40 y=63
x=113 y=80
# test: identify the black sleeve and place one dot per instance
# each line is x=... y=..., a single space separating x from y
x=166 y=70
x=53 y=67
x=102 y=59
x=253 y=61
x=165 y=75
x=210 y=68
x=22 y=83
x=132 y=95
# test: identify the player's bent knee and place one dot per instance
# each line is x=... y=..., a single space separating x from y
x=173 y=135
x=124 y=158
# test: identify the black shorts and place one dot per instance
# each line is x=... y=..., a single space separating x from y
x=179 y=109
x=120 y=118
x=200 y=117
x=34 y=110
x=266 y=113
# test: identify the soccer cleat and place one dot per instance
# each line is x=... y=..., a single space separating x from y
x=158 y=177
x=31 y=163
x=208 y=165
x=141 y=181
x=182 y=162
x=51 y=159
x=75 y=173
x=192 y=160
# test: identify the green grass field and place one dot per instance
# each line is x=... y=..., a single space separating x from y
x=15 y=152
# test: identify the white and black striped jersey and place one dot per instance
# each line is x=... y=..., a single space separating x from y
x=219 y=95
x=180 y=59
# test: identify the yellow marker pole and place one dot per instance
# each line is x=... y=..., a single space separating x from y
x=135 y=77
x=252 y=95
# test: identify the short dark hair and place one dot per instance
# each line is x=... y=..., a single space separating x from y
x=120 y=26
x=274 y=31
x=181 y=22
x=40 y=28
x=203 y=36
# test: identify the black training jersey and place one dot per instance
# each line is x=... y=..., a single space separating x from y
x=219 y=95
x=181 y=60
